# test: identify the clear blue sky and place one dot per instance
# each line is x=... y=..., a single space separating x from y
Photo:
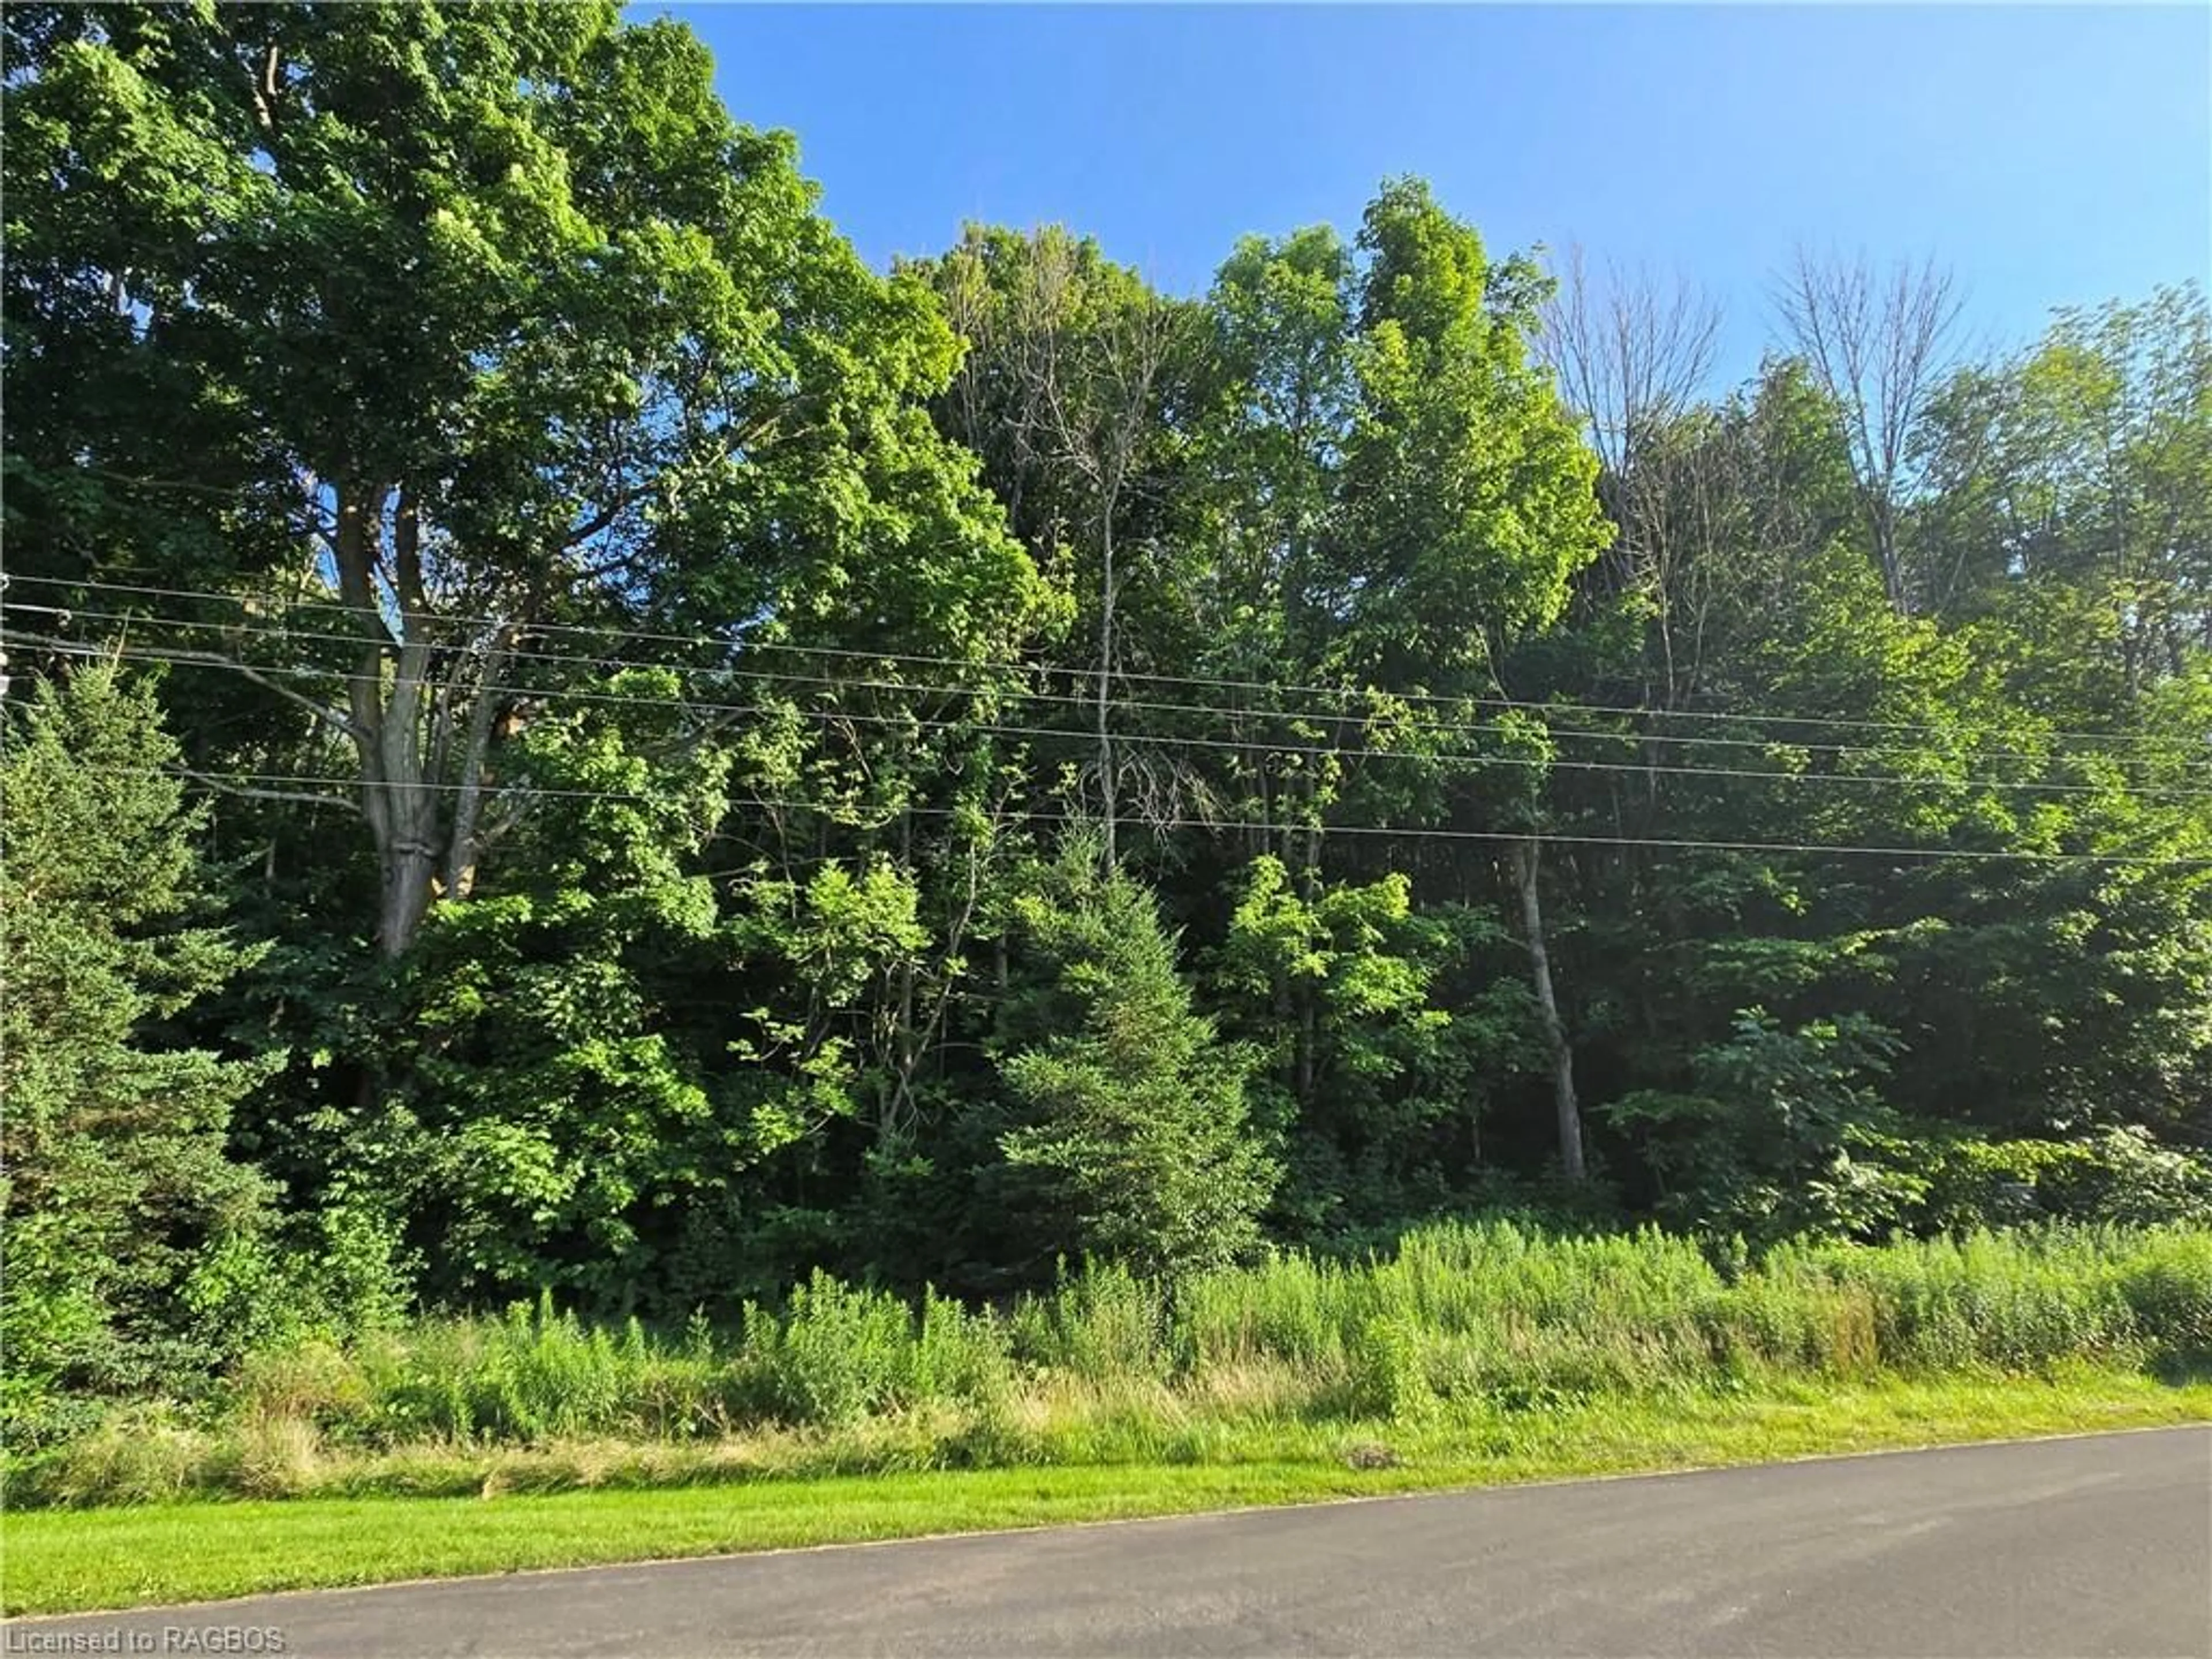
x=2048 y=154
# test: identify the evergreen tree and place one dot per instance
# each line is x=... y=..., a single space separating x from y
x=1138 y=1129
x=116 y=1184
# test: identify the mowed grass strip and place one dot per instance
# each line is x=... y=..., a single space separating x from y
x=66 y=1560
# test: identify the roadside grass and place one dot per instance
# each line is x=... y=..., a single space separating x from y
x=635 y=1504
x=1474 y=1324
x=1473 y=1354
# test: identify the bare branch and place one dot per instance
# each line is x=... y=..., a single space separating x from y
x=1879 y=344
x=333 y=718
x=265 y=90
x=257 y=792
x=1631 y=351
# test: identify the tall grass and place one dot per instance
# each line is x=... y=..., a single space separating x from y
x=1460 y=1324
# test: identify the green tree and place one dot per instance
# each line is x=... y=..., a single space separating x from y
x=1136 y=1126
x=508 y=324
x=1377 y=1055
x=1784 y=1134
x=1069 y=392
x=563 y=1094
x=1469 y=492
x=117 y=1188
x=1470 y=505
x=2081 y=468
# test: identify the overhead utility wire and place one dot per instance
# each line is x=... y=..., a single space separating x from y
x=90 y=651
x=849 y=652
x=273 y=629
x=2162 y=861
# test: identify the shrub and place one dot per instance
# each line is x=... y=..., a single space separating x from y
x=1103 y=1321
x=2121 y=1175
x=1488 y=1325
x=838 y=1354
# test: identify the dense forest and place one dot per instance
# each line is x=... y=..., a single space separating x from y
x=566 y=736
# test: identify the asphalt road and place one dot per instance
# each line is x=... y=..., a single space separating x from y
x=2095 y=1545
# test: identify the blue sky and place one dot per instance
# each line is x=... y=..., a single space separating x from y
x=2048 y=154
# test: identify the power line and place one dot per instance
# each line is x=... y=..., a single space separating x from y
x=697 y=640
x=1222 y=826
x=1209 y=744
x=283 y=631
x=200 y=775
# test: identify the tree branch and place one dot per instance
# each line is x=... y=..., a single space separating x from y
x=606 y=517
x=257 y=792
x=328 y=716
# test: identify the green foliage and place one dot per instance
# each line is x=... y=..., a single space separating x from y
x=559 y=1096
x=837 y=1355
x=2121 y=1175
x=623 y=651
x=1786 y=1133
x=1468 y=491
x=1375 y=1084
x=1481 y=1334
x=329 y=1276
x=1100 y=1321
x=119 y=1201
x=2014 y=1302
x=1138 y=1125
x=841 y=940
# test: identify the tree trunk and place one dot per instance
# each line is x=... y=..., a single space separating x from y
x=906 y=1048
x=404 y=900
x=1555 y=1032
x=1883 y=515
x=402 y=812
x=1309 y=1030
x=468 y=800
x=1309 y=1044
x=1106 y=779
